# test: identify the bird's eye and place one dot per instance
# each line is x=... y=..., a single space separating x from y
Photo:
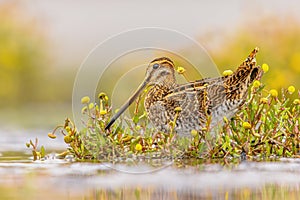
x=155 y=66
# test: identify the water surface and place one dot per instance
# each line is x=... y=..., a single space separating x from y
x=22 y=178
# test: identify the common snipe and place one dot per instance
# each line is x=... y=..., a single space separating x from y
x=215 y=97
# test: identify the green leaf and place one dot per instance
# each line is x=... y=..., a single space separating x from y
x=43 y=152
x=135 y=119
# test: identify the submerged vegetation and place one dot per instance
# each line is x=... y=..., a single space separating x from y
x=267 y=127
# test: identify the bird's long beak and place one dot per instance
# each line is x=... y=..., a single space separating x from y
x=127 y=104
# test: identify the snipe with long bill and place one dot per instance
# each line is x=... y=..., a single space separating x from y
x=213 y=98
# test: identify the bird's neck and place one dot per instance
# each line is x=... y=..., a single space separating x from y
x=157 y=93
x=169 y=82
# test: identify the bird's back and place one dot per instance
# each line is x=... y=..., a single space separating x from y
x=215 y=97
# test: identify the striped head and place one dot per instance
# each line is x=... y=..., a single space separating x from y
x=160 y=72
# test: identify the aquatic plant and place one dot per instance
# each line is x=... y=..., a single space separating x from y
x=37 y=154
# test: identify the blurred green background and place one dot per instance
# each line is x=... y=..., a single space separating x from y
x=42 y=45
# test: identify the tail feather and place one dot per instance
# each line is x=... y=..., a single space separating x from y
x=251 y=59
x=239 y=82
x=247 y=72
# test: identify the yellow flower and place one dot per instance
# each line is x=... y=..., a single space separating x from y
x=264 y=100
x=291 y=89
x=246 y=125
x=273 y=93
x=85 y=100
x=180 y=70
x=178 y=109
x=138 y=147
x=91 y=105
x=296 y=102
x=265 y=67
x=69 y=132
x=51 y=135
x=68 y=139
x=103 y=112
x=68 y=128
x=194 y=132
x=227 y=72
x=256 y=83
x=102 y=96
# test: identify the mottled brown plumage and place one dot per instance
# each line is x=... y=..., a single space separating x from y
x=211 y=97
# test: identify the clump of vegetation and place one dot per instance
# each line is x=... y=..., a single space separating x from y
x=266 y=127
x=37 y=154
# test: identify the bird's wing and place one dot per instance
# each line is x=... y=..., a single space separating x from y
x=202 y=95
x=191 y=97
